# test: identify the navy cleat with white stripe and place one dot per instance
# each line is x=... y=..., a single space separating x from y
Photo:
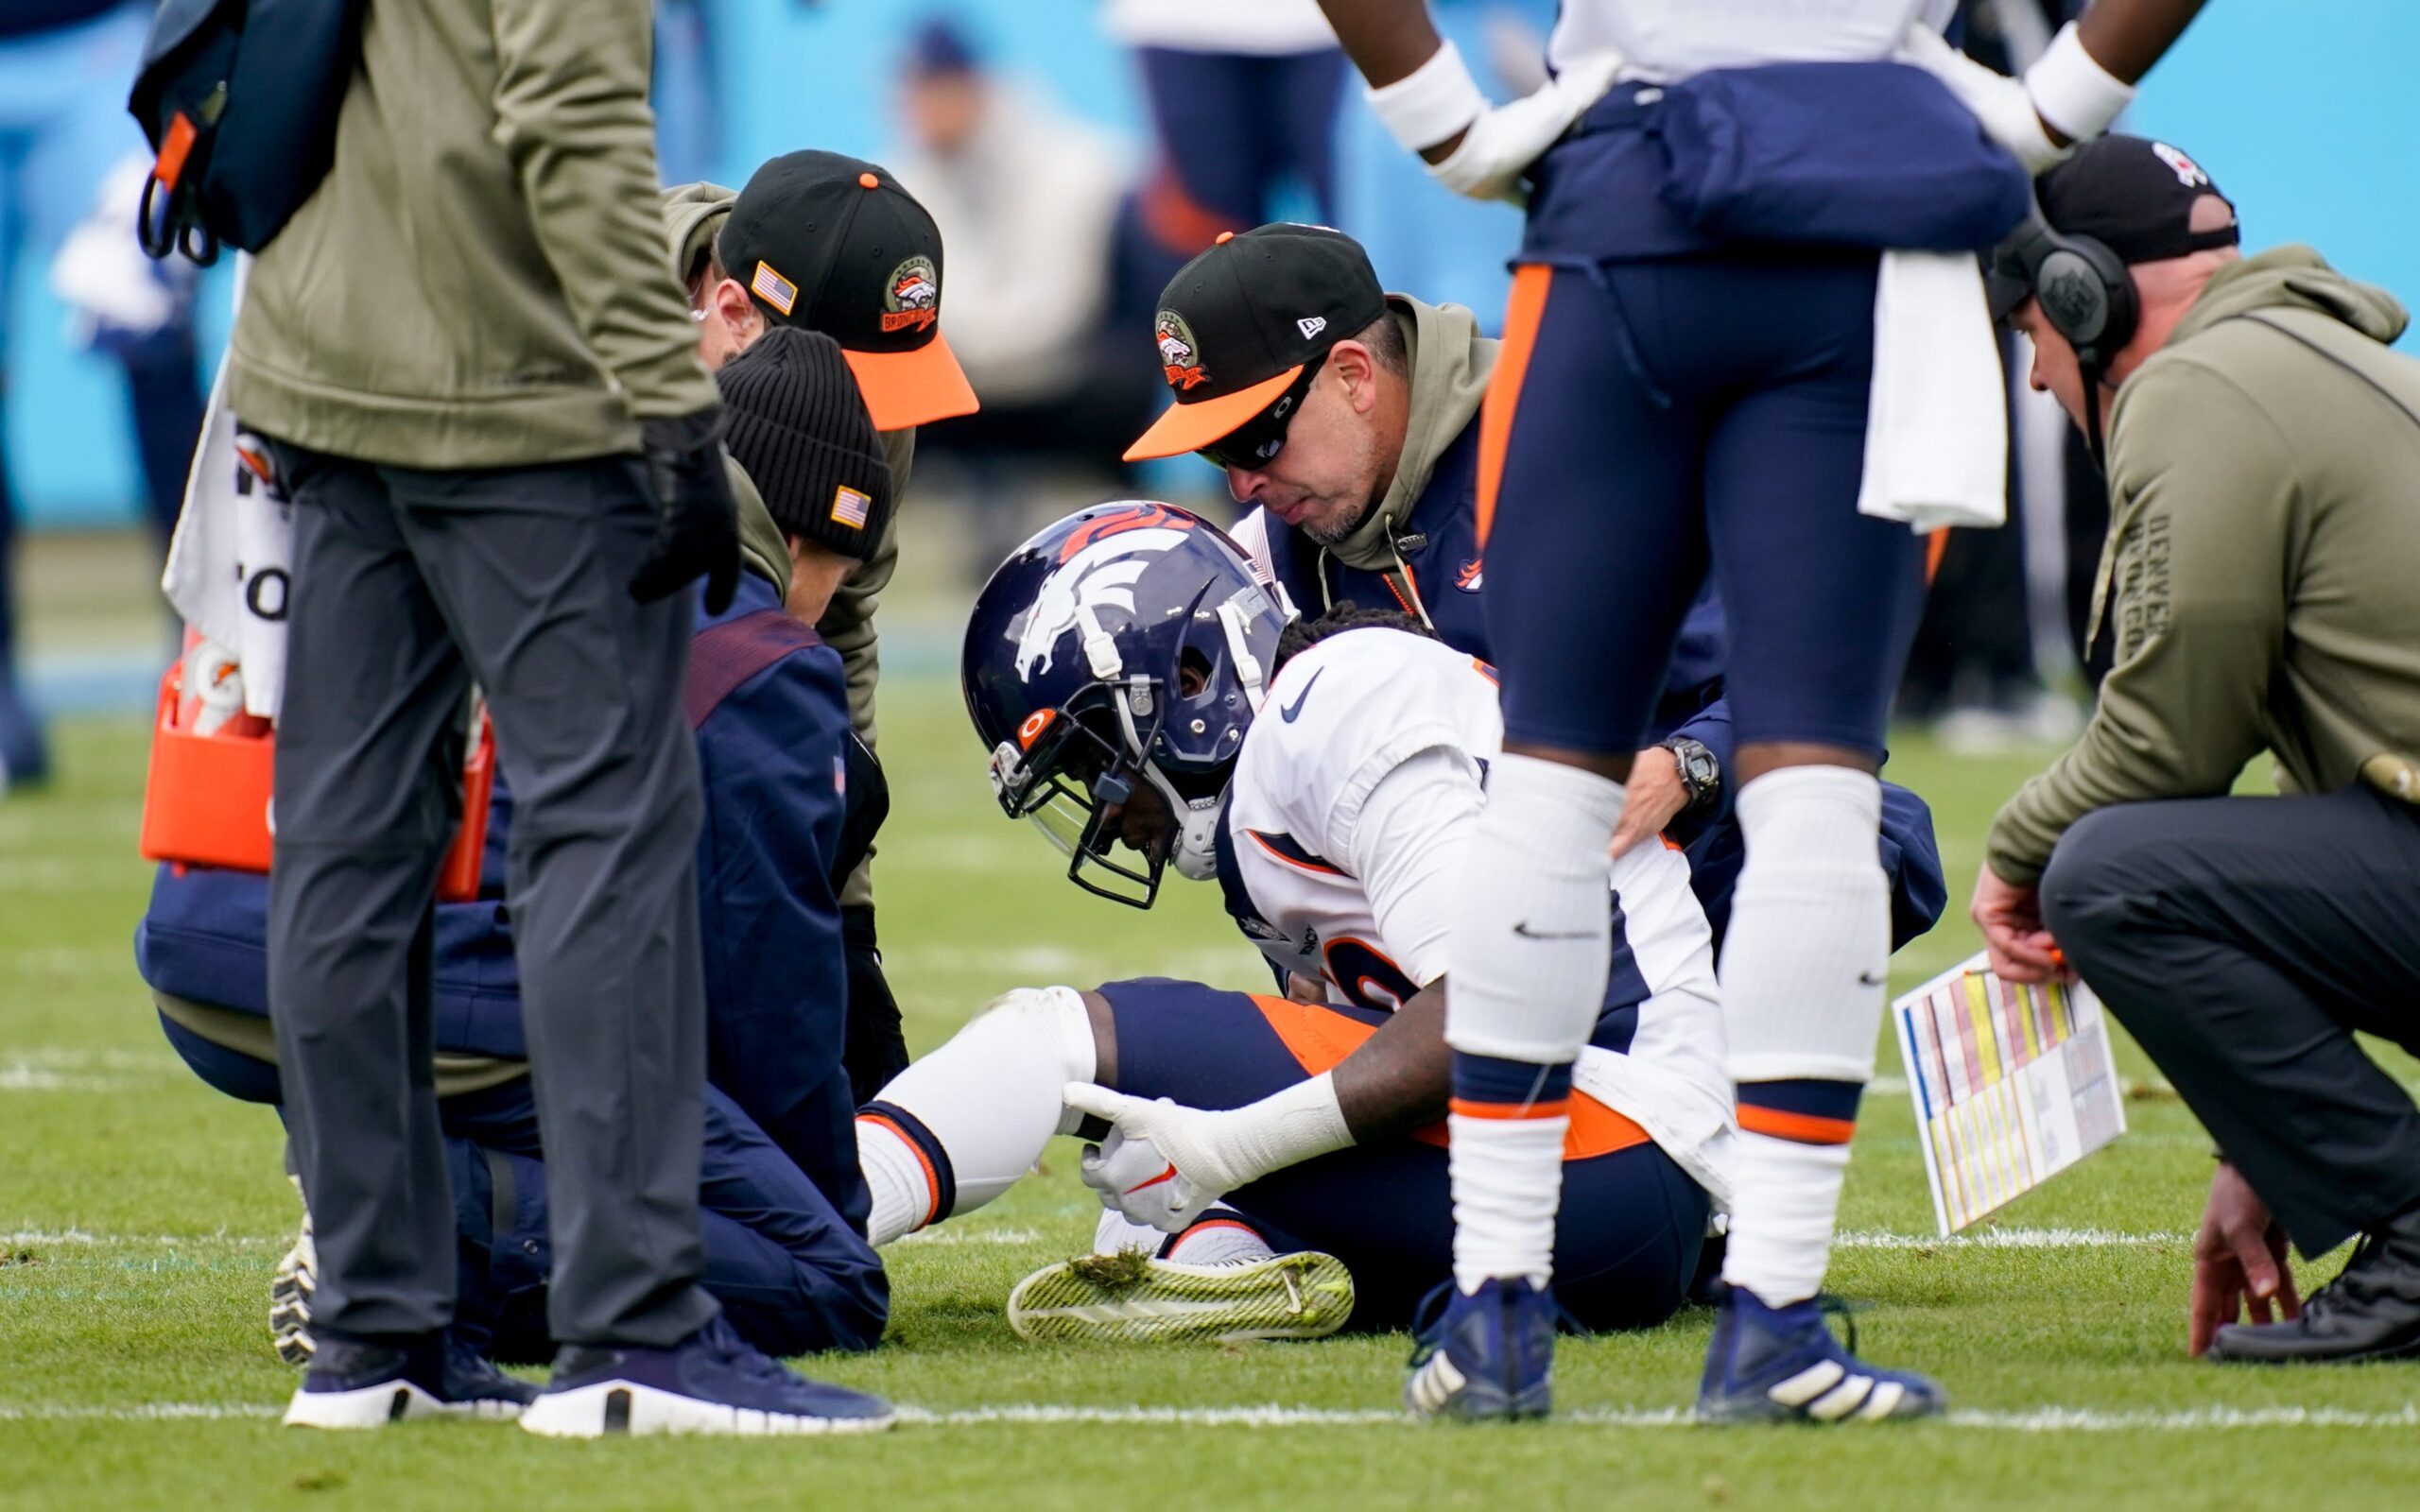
x=361 y=1384
x=1488 y=1356
x=1774 y=1364
x=713 y=1382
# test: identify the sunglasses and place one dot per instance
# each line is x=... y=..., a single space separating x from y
x=1256 y=442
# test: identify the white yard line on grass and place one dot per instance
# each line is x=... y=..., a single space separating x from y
x=2035 y=1421
x=81 y=1236
x=971 y=1236
x=2007 y=1239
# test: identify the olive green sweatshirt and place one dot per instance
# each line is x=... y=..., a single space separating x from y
x=1450 y=366
x=2263 y=565
x=480 y=280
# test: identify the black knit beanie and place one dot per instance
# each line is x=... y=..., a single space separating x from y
x=793 y=418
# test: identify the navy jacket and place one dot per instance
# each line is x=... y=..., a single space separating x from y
x=1439 y=544
x=774 y=752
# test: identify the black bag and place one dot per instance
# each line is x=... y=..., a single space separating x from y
x=239 y=99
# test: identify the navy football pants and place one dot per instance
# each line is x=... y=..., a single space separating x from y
x=1626 y=1240
x=1652 y=421
x=793 y=1276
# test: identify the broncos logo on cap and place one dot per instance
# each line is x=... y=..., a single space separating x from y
x=1177 y=356
x=914 y=297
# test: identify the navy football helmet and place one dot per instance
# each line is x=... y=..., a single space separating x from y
x=1128 y=642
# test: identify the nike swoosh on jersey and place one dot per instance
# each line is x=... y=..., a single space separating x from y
x=1523 y=930
x=1289 y=710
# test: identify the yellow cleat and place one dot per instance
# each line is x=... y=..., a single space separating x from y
x=1131 y=1298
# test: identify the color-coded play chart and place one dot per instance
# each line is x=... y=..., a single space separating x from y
x=2012 y=1085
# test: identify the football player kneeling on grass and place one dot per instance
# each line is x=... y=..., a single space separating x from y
x=1281 y=1162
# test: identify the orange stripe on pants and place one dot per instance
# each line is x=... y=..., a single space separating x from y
x=1319 y=1038
x=1522 y=314
x=1803 y=1128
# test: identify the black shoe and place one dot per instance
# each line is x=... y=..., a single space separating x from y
x=2369 y=1312
x=360 y=1384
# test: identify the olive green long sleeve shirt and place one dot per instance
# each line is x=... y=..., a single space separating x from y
x=480 y=280
x=2262 y=575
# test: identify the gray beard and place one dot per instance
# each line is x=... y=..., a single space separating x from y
x=1340 y=535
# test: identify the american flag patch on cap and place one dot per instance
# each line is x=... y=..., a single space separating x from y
x=772 y=288
x=849 y=507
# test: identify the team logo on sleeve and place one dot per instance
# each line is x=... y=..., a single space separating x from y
x=1180 y=357
x=914 y=298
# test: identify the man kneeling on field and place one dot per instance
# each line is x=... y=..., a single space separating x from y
x=784 y=1205
x=1118 y=667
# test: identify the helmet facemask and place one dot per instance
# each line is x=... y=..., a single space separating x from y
x=1082 y=764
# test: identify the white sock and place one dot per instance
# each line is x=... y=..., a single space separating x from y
x=1784 y=1197
x=1803 y=989
x=989 y=1101
x=1507 y=1175
x=1218 y=1238
x=1117 y=1233
x=1528 y=957
x=1525 y=969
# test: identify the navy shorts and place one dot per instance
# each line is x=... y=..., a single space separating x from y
x=1655 y=418
x=1632 y=1223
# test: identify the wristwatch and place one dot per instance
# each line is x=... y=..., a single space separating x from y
x=1701 y=774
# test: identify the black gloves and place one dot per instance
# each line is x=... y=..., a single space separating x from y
x=875 y=1050
x=698 y=535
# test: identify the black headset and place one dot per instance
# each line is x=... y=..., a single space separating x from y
x=2086 y=295
x=2083 y=289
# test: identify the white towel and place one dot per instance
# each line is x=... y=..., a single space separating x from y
x=229 y=563
x=1936 y=429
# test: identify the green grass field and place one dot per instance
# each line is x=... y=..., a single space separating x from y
x=139 y=1214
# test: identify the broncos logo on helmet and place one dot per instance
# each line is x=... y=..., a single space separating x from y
x=1125 y=645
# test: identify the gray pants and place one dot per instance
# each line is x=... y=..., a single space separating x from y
x=2243 y=941
x=407 y=585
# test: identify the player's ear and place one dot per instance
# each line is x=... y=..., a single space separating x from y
x=1358 y=370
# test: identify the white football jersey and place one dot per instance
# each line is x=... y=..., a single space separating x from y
x=1338 y=720
x=1668 y=39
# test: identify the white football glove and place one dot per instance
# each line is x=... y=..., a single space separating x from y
x=2003 y=105
x=1500 y=145
x=1141 y=1185
x=1500 y=142
x=1166 y=1162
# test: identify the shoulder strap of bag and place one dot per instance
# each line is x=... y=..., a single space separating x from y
x=724 y=655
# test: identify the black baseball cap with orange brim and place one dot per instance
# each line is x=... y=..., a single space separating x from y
x=835 y=244
x=1243 y=324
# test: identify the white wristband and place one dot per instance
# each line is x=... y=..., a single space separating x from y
x=1287 y=1128
x=2073 y=91
x=1430 y=103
